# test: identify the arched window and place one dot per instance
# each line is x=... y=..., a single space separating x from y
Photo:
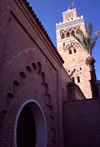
x=67 y=35
x=63 y=44
x=78 y=79
x=62 y=36
x=72 y=32
x=70 y=51
x=74 y=50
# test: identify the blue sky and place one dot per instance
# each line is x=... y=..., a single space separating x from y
x=49 y=13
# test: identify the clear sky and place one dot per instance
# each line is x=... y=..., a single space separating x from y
x=49 y=13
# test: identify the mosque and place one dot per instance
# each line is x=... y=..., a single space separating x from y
x=49 y=97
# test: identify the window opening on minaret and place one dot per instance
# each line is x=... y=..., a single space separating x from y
x=78 y=79
x=80 y=68
x=73 y=79
x=62 y=36
x=63 y=44
x=74 y=50
x=67 y=35
x=70 y=52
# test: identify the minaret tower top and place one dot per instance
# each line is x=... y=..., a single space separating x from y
x=70 y=18
x=70 y=14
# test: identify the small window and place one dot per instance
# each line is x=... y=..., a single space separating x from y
x=69 y=71
x=70 y=52
x=73 y=79
x=67 y=35
x=78 y=79
x=63 y=35
x=80 y=68
x=63 y=44
x=72 y=32
x=74 y=50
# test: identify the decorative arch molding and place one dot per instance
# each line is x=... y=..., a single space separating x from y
x=75 y=71
x=73 y=29
x=70 y=45
x=64 y=33
x=8 y=99
x=34 y=65
x=17 y=83
x=39 y=117
x=28 y=68
x=3 y=113
x=39 y=67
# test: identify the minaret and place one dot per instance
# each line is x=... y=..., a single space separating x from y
x=72 y=52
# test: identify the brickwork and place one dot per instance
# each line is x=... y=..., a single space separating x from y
x=30 y=69
x=82 y=123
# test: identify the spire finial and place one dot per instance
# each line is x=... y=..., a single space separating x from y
x=69 y=7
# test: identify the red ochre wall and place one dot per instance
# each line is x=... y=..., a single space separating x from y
x=30 y=68
x=81 y=122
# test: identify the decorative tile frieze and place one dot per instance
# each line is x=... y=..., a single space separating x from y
x=68 y=24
